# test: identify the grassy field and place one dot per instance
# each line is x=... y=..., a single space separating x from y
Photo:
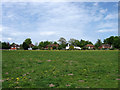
x=60 y=69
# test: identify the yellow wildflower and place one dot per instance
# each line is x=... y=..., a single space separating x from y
x=17 y=79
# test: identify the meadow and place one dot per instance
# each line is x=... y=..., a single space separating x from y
x=60 y=69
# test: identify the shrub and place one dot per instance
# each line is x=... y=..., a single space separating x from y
x=54 y=47
x=71 y=47
x=35 y=47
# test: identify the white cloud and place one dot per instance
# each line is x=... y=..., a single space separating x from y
x=95 y=4
x=9 y=39
x=103 y=11
x=60 y=0
x=47 y=33
x=107 y=30
x=107 y=25
x=52 y=19
x=0 y=29
x=111 y=16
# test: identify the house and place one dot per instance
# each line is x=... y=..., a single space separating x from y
x=89 y=46
x=67 y=47
x=105 y=46
x=14 y=47
x=51 y=46
x=30 y=46
x=75 y=47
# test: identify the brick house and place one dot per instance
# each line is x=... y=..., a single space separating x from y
x=89 y=46
x=51 y=46
x=14 y=47
x=105 y=46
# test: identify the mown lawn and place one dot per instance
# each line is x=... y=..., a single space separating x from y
x=60 y=69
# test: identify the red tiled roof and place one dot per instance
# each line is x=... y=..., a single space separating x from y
x=89 y=45
x=105 y=46
x=15 y=45
x=51 y=45
x=31 y=45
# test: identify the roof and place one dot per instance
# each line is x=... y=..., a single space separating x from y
x=31 y=45
x=15 y=45
x=105 y=46
x=89 y=45
x=51 y=45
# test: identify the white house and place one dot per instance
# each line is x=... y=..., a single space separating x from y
x=67 y=47
x=75 y=47
x=30 y=48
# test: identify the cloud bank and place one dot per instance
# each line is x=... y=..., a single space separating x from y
x=52 y=20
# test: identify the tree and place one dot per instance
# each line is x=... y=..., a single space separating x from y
x=36 y=44
x=0 y=45
x=62 y=41
x=59 y=47
x=116 y=43
x=109 y=40
x=5 y=45
x=98 y=43
x=35 y=47
x=25 y=46
x=72 y=41
x=54 y=47
x=12 y=44
x=71 y=47
x=89 y=42
x=45 y=43
x=82 y=43
x=28 y=41
x=41 y=45
x=55 y=43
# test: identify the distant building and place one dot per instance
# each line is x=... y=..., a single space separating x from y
x=67 y=47
x=51 y=46
x=30 y=46
x=75 y=47
x=89 y=46
x=14 y=47
x=105 y=46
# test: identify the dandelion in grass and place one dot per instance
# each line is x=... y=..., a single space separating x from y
x=118 y=79
x=81 y=80
x=70 y=74
x=68 y=85
x=51 y=85
x=48 y=60
x=6 y=73
x=1 y=80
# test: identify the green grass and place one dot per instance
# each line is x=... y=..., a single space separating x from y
x=61 y=69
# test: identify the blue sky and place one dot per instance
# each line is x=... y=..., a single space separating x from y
x=43 y=21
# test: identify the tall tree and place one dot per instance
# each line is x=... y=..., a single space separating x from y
x=72 y=41
x=55 y=42
x=28 y=41
x=41 y=45
x=25 y=46
x=5 y=45
x=116 y=43
x=109 y=40
x=0 y=45
x=62 y=41
x=98 y=43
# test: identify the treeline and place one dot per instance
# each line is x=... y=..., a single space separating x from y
x=113 y=41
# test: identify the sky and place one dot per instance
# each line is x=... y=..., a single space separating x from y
x=43 y=21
